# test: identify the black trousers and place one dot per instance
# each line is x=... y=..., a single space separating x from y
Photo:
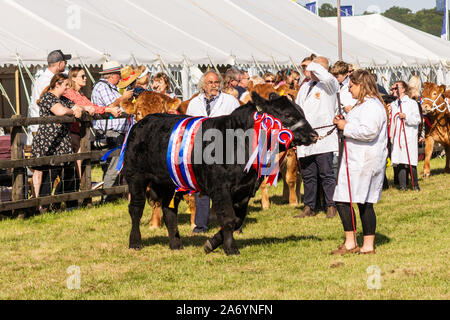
x=404 y=173
x=313 y=167
x=366 y=212
x=67 y=182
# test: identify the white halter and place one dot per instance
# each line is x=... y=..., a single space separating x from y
x=438 y=107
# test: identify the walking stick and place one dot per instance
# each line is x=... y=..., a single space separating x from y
x=402 y=126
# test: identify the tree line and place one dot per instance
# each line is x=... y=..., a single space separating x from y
x=427 y=20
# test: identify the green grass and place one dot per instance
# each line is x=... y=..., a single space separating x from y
x=281 y=257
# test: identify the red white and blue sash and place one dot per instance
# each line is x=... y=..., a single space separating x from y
x=179 y=153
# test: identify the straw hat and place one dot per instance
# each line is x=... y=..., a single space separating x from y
x=128 y=75
x=110 y=67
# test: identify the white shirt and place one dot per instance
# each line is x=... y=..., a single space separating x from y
x=399 y=152
x=366 y=138
x=224 y=105
x=320 y=108
x=40 y=84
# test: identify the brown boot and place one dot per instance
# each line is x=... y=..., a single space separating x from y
x=331 y=212
x=307 y=212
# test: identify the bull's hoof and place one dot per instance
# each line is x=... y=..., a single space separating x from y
x=176 y=245
x=208 y=247
x=265 y=206
x=293 y=204
x=136 y=246
x=231 y=251
x=426 y=175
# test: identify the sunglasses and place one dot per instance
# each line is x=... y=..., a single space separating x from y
x=296 y=79
x=270 y=81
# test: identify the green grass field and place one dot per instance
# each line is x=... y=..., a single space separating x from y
x=281 y=257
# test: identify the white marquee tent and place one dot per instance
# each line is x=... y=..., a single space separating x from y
x=425 y=50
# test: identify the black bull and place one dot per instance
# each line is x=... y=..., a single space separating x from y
x=228 y=186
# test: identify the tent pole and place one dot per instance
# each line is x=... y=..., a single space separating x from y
x=17 y=85
x=257 y=64
x=339 y=29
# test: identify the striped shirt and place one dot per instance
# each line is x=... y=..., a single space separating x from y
x=103 y=94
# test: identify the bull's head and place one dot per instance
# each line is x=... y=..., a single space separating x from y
x=290 y=114
x=433 y=97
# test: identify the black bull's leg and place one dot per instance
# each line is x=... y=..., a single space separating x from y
x=171 y=220
x=240 y=211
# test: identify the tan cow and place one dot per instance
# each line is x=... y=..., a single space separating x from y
x=436 y=107
x=150 y=102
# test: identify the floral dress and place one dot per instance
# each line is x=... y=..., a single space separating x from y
x=53 y=138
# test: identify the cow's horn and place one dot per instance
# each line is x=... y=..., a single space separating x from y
x=258 y=108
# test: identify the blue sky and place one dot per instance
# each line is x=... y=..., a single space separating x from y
x=361 y=5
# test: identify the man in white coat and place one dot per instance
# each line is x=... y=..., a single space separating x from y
x=405 y=118
x=317 y=98
x=211 y=102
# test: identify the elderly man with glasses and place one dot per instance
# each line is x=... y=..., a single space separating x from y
x=211 y=102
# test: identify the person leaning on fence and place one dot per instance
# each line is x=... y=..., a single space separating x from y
x=57 y=62
x=54 y=138
x=211 y=102
x=104 y=94
x=77 y=81
x=363 y=162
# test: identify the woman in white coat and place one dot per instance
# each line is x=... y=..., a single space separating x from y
x=404 y=120
x=365 y=133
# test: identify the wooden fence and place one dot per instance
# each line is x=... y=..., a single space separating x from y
x=18 y=163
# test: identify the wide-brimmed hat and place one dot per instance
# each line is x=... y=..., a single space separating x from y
x=110 y=67
x=128 y=75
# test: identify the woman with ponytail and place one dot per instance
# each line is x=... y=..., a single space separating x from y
x=54 y=138
x=363 y=162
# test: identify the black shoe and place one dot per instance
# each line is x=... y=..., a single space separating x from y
x=331 y=212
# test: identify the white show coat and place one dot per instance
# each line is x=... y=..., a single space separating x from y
x=320 y=107
x=224 y=105
x=412 y=121
x=345 y=95
x=366 y=136
x=39 y=85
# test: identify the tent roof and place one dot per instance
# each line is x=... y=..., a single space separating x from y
x=193 y=31
x=421 y=47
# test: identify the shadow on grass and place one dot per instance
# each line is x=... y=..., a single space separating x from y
x=436 y=171
x=380 y=239
x=199 y=240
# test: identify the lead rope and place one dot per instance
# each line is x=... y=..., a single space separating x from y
x=402 y=125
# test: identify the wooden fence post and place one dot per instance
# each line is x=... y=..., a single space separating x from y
x=18 y=174
x=85 y=146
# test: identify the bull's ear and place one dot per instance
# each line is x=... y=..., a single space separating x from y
x=273 y=96
x=442 y=88
x=259 y=101
x=250 y=86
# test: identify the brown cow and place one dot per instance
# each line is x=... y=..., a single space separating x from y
x=289 y=169
x=150 y=102
x=437 y=110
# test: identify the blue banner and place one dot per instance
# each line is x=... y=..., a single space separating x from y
x=312 y=6
x=440 y=5
x=346 y=11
